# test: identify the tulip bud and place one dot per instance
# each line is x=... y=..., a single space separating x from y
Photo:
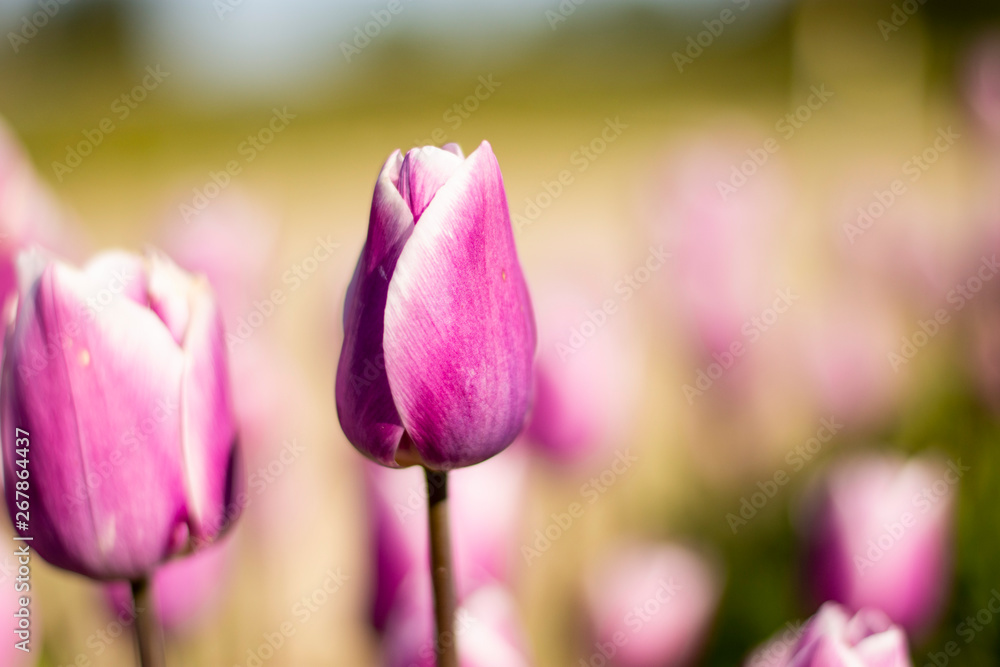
x=651 y=606
x=832 y=638
x=877 y=534
x=115 y=400
x=484 y=529
x=439 y=334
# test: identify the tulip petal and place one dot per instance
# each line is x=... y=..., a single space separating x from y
x=365 y=406
x=88 y=386
x=211 y=456
x=459 y=332
x=423 y=173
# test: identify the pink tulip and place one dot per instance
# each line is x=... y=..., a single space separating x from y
x=487 y=630
x=439 y=334
x=652 y=605
x=721 y=241
x=584 y=396
x=878 y=535
x=116 y=377
x=832 y=638
x=186 y=591
x=483 y=535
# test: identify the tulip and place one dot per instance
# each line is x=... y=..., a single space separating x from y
x=439 y=334
x=877 y=534
x=485 y=529
x=654 y=604
x=832 y=638
x=584 y=396
x=115 y=383
x=487 y=631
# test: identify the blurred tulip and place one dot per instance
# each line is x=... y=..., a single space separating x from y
x=584 y=397
x=722 y=241
x=232 y=244
x=653 y=605
x=487 y=631
x=29 y=214
x=843 y=357
x=878 y=535
x=439 y=334
x=117 y=374
x=185 y=591
x=484 y=533
x=832 y=638
x=982 y=85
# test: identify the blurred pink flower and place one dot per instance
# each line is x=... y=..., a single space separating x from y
x=584 y=395
x=232 y=243
x=877 y=531
x=843 y=347
x=487 y=629
x=186 y=591
x=485 y=503
x=652 y=605
x=982 y=85
x=723 y=242
x=29 y=214
x=832 y=638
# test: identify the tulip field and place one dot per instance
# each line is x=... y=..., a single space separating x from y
x=544 y=333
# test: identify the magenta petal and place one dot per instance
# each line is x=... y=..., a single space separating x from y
x=98 y=394
x=423 y=173
x=459 y=330
x=211 y=456
x=364 y=402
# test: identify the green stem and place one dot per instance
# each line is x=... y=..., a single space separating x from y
x=441 y=568
x=148 y=635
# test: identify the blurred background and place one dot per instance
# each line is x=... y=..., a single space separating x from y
x=760 y=237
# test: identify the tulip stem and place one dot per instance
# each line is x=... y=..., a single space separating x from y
x=441 y=569
x=148 y=635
